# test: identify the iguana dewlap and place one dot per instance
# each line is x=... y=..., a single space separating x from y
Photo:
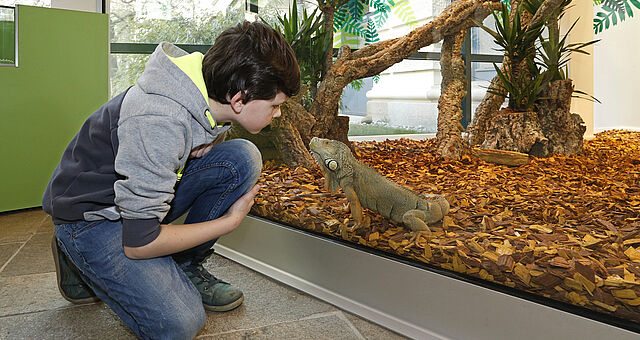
x=365 y=187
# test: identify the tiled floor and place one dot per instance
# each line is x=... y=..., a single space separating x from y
x=31 y=306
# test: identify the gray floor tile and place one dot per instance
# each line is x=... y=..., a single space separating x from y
x=370 y=330
x=95 y=321
x=216 y=261
x=266 y=302
x=34 y=258
x=18 y=227
x=323 y=327
x=6 y=251
x=30 y=293
x=46 y=226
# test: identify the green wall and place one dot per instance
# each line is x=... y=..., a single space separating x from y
x=61 y=79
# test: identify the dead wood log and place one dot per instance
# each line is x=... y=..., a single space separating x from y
x=516 y=131
x=564 y=130
x=510 y=158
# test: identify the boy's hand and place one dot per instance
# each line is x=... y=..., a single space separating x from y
x=200 y=151
x=240 y=208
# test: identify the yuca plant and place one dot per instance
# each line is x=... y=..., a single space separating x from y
x=309 y=40
x=521 y=81
x=522 y=88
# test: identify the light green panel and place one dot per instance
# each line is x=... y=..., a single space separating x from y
x=62 y=78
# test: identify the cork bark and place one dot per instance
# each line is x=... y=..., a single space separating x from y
x=449 y=135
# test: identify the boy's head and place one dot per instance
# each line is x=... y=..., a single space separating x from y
x=253 y=59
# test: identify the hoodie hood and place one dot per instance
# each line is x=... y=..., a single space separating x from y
x=162 y=76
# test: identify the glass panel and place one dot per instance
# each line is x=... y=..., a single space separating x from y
x=181 y=22
x=7 y=36
x=402 y=100
x=481 y=41
x=356 y=104
x=38 y=3
x=481 y=76
x=125 y=70
x=387 y=20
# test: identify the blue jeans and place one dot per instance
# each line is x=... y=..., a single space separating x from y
x=154 y=297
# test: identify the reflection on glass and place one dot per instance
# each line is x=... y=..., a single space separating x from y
x=182 y=22
x=390 y=19
x=125 y=70
x=7 y=36
x=37 y=3
x=362 y=122
x=481 y=76
x=481 y=41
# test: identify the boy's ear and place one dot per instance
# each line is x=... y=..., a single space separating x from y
x=236 y=102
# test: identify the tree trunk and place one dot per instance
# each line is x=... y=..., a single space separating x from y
x=449 y=136
x=328 y=10
x=565 y=130
x=287 y=137
x=485 y=112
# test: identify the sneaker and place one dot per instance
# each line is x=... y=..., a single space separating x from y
x=70 y=283
x=217 y=295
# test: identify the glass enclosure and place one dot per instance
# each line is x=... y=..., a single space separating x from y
x=523 y=229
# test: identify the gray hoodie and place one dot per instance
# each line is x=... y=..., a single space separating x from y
x=126 y=159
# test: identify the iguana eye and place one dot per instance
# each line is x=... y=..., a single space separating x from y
x=331 y=164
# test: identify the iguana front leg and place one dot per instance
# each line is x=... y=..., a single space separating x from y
x=356 y=208
x=415 y=220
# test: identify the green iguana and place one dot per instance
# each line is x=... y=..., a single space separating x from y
x=365 y=187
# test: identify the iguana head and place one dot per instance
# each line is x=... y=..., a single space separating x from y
x=334 y=158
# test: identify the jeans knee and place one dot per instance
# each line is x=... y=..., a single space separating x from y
x=253 y=159
x=186 y=325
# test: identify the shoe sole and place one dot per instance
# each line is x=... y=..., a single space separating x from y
x=225 y=308
x=54 y=249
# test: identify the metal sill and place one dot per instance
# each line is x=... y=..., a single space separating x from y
x=416 y=302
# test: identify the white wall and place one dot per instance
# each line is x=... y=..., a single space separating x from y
x=94 y=6
x=616 y=77
x=580 y=65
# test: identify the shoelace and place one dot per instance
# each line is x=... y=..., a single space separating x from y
x=198 y=271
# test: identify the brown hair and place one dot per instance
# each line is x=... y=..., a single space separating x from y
x=253 y=59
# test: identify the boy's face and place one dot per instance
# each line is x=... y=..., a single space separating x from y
x=257 y=114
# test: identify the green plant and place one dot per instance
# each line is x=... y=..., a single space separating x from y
x=521 y=81
x=308 y=39
x=521 y=88
x=554 y=53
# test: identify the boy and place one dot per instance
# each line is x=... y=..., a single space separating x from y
x=153 y=153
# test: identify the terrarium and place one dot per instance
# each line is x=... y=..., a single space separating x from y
x=529 y=205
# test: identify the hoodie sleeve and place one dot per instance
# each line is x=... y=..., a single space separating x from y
x=149 y=153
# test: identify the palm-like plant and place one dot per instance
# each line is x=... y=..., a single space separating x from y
x=555 y=53
x=308 y=39
x=521 y=81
